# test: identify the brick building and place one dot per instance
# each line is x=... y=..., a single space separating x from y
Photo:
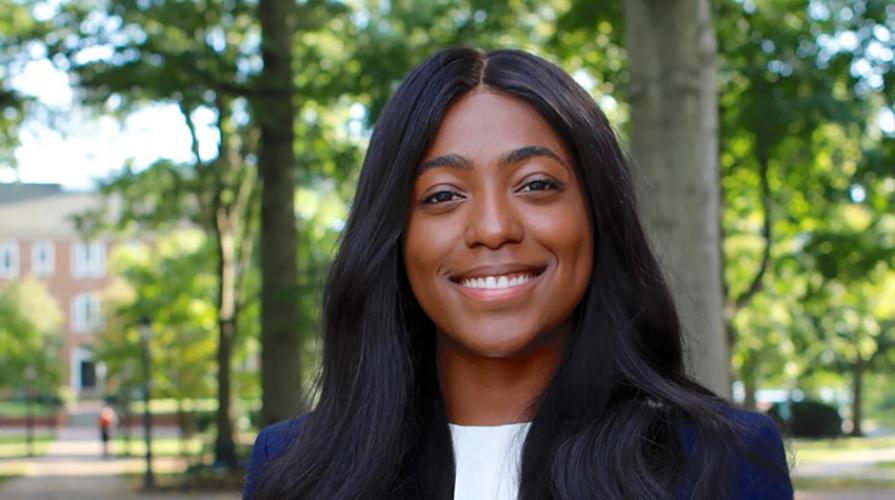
x=38 y=238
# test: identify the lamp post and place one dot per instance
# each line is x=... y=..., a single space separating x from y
x=30 y=373
x=127 y=376
x=101 y=371
x=145 y=336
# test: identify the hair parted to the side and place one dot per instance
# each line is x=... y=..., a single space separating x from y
x=610 y=421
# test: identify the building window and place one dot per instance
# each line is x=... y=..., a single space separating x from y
x=43 y=258
x=89 y=259
x=88 y=374
x=86 y=313
x=82 y=374
x=9 y=260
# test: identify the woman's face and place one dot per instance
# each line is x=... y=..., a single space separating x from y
x=499 y=245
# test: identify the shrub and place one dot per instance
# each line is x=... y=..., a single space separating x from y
x=811 y=419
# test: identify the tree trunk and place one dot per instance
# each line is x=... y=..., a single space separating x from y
x=275 y=112
x=224 y=448
x=857 y=397
x=181 y=426
x=750 y=386
x=674 y=109
x=749 y=371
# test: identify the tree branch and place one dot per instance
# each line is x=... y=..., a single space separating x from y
x=191 y=126
x=201 y=168
x=250 y=217
x=758 y=280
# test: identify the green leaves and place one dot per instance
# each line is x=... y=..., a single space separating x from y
x=793 y=99
x=163 y=281
x=801 y=86
x=30 y=334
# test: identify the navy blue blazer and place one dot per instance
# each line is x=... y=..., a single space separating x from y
x=753 y=481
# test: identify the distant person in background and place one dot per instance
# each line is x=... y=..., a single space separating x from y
x=107 y=420
x=496 y=326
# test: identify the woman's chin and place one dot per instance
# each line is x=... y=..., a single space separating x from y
x=499 y=348
x=498 y=344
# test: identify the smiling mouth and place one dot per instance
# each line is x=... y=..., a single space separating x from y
x=498 y=281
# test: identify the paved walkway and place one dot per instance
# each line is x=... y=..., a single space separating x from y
x=74 y=469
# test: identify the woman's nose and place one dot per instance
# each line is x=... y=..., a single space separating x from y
x=493 y=221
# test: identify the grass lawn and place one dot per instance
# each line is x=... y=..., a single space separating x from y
x=161 y=447
x=20 y=438
x=843 y=449
x=173 y=447
x=204 y=479
x=837 y=450
x=841 y=483
x=198 y=477
x=846 y=443
x=170 y=405
x=11 y=470
x=15 y=447
x=18 y=409
x=6 y=477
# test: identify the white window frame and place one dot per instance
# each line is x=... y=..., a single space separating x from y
x=45 y=267
x=10 y=249
x=88 y=259
x=86 y=312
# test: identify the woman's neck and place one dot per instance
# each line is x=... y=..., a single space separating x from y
x=482 y=390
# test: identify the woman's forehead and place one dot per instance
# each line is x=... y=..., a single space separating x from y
x=485 y=125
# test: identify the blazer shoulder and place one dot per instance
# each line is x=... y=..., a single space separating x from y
x=762 y=468
x=760 y=465
x=271 y=442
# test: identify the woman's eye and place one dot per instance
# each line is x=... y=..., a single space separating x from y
x=441 y=197
x=540 y=185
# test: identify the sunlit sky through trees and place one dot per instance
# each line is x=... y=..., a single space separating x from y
x=84 y=146
x=69 y=145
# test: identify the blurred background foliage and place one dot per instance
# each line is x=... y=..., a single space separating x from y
x=29 y=326
x=807 y=158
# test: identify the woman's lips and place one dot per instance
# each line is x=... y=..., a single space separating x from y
x=501 y=287
x=498 y=281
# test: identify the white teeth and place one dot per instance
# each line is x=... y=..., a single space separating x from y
x=496 y=282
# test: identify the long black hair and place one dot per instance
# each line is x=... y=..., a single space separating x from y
x=611 y=421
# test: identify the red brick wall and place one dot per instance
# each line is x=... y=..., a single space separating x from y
x=64 y=287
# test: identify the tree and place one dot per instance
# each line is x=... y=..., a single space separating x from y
x=851 y=260
x=30 y=335
x=189 y=55
x=796 y=121
x=17 y=28
x=275 y=112
x=674 y=112
x=165 y=281
x=341 y=59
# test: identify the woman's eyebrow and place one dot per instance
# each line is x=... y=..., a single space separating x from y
x=448 y=160
x=513 y=157
x=521 y=154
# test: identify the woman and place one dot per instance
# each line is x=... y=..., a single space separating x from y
x=495 y=325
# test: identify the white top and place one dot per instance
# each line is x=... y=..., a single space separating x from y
x=488 y=460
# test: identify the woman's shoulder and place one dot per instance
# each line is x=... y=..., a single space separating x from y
x=271 y=442
x=761 y=465
x=762 y=470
